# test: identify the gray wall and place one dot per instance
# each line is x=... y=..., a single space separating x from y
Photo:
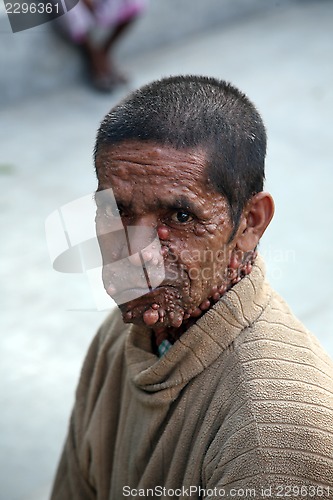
x=38 y=60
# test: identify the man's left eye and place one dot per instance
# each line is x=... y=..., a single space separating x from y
x=181 y=216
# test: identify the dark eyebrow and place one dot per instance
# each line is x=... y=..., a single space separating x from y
x=171 y=204
x=179 y=203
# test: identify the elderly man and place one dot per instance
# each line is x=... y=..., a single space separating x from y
x=202 y=384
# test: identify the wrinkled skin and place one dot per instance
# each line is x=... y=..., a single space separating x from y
x=166 y=190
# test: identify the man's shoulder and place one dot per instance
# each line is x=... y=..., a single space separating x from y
x=283 y=363
x=112 y=328
x=279 y=324
x=277 y=395
x=278 y=334
x=111 y=335
x=106 y=349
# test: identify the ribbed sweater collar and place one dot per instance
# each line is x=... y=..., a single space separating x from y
x=159 y=380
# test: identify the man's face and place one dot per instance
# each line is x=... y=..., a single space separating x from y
x=162 y=192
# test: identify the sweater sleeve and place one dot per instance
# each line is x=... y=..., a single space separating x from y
x=272 y=460
x=278 y=440
x=70 y=483
x=73 y=480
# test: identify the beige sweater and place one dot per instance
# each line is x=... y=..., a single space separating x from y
x=241 y=404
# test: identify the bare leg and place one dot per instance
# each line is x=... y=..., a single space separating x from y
x=108 y=47
x=117 y=33
x=103 y=72
x=98 y=65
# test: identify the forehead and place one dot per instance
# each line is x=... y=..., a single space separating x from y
x=138 y=161
x=145 y=176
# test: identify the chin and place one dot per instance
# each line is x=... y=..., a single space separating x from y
x=163 y=307
x=134 y=310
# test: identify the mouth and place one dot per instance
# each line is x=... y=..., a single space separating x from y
x=129 y=294
x=134 y=292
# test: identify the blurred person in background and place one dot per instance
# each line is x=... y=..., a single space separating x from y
x=93 y=17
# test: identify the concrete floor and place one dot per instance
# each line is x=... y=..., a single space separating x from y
x=283 y=61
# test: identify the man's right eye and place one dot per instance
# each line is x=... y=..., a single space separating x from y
x=181 y=216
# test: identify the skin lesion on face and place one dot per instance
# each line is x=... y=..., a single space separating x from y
x=164 y=190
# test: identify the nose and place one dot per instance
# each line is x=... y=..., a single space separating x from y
x=143 y=242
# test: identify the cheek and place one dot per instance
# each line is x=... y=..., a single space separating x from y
x=204 y=259
x=113 y=245
x=193 y=262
